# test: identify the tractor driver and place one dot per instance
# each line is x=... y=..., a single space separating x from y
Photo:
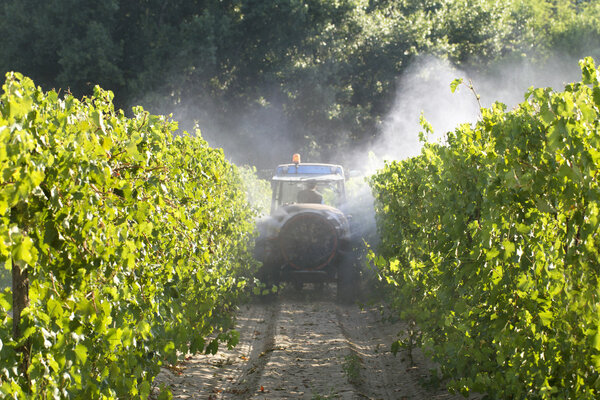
x=310 y=194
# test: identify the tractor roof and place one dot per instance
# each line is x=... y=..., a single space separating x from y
x=309 y=171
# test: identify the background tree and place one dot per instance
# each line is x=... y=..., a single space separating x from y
x=273 y=77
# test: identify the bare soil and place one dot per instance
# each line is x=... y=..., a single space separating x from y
x=304 y=345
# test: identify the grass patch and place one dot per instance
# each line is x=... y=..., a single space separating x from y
x=351 y=368
x=332 y=395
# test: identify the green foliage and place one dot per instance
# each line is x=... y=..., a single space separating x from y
x=489 y=243
x=135 y=240
x=5 y=277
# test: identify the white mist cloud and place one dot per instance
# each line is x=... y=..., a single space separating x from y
x=424 y=89
x=508 y=82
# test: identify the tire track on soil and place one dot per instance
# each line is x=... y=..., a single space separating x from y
x=304 y=345
x=308 y=354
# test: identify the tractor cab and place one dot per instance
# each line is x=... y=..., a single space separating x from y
x=291 y=181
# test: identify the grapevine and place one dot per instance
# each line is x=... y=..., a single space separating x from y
x=130 y=243
x=490 y=244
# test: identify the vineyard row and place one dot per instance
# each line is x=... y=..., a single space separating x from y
x=127 y=244
x=490 y=246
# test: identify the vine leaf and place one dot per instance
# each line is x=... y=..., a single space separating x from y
x=455 y=83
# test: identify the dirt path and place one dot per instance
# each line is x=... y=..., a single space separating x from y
x=306 y=346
